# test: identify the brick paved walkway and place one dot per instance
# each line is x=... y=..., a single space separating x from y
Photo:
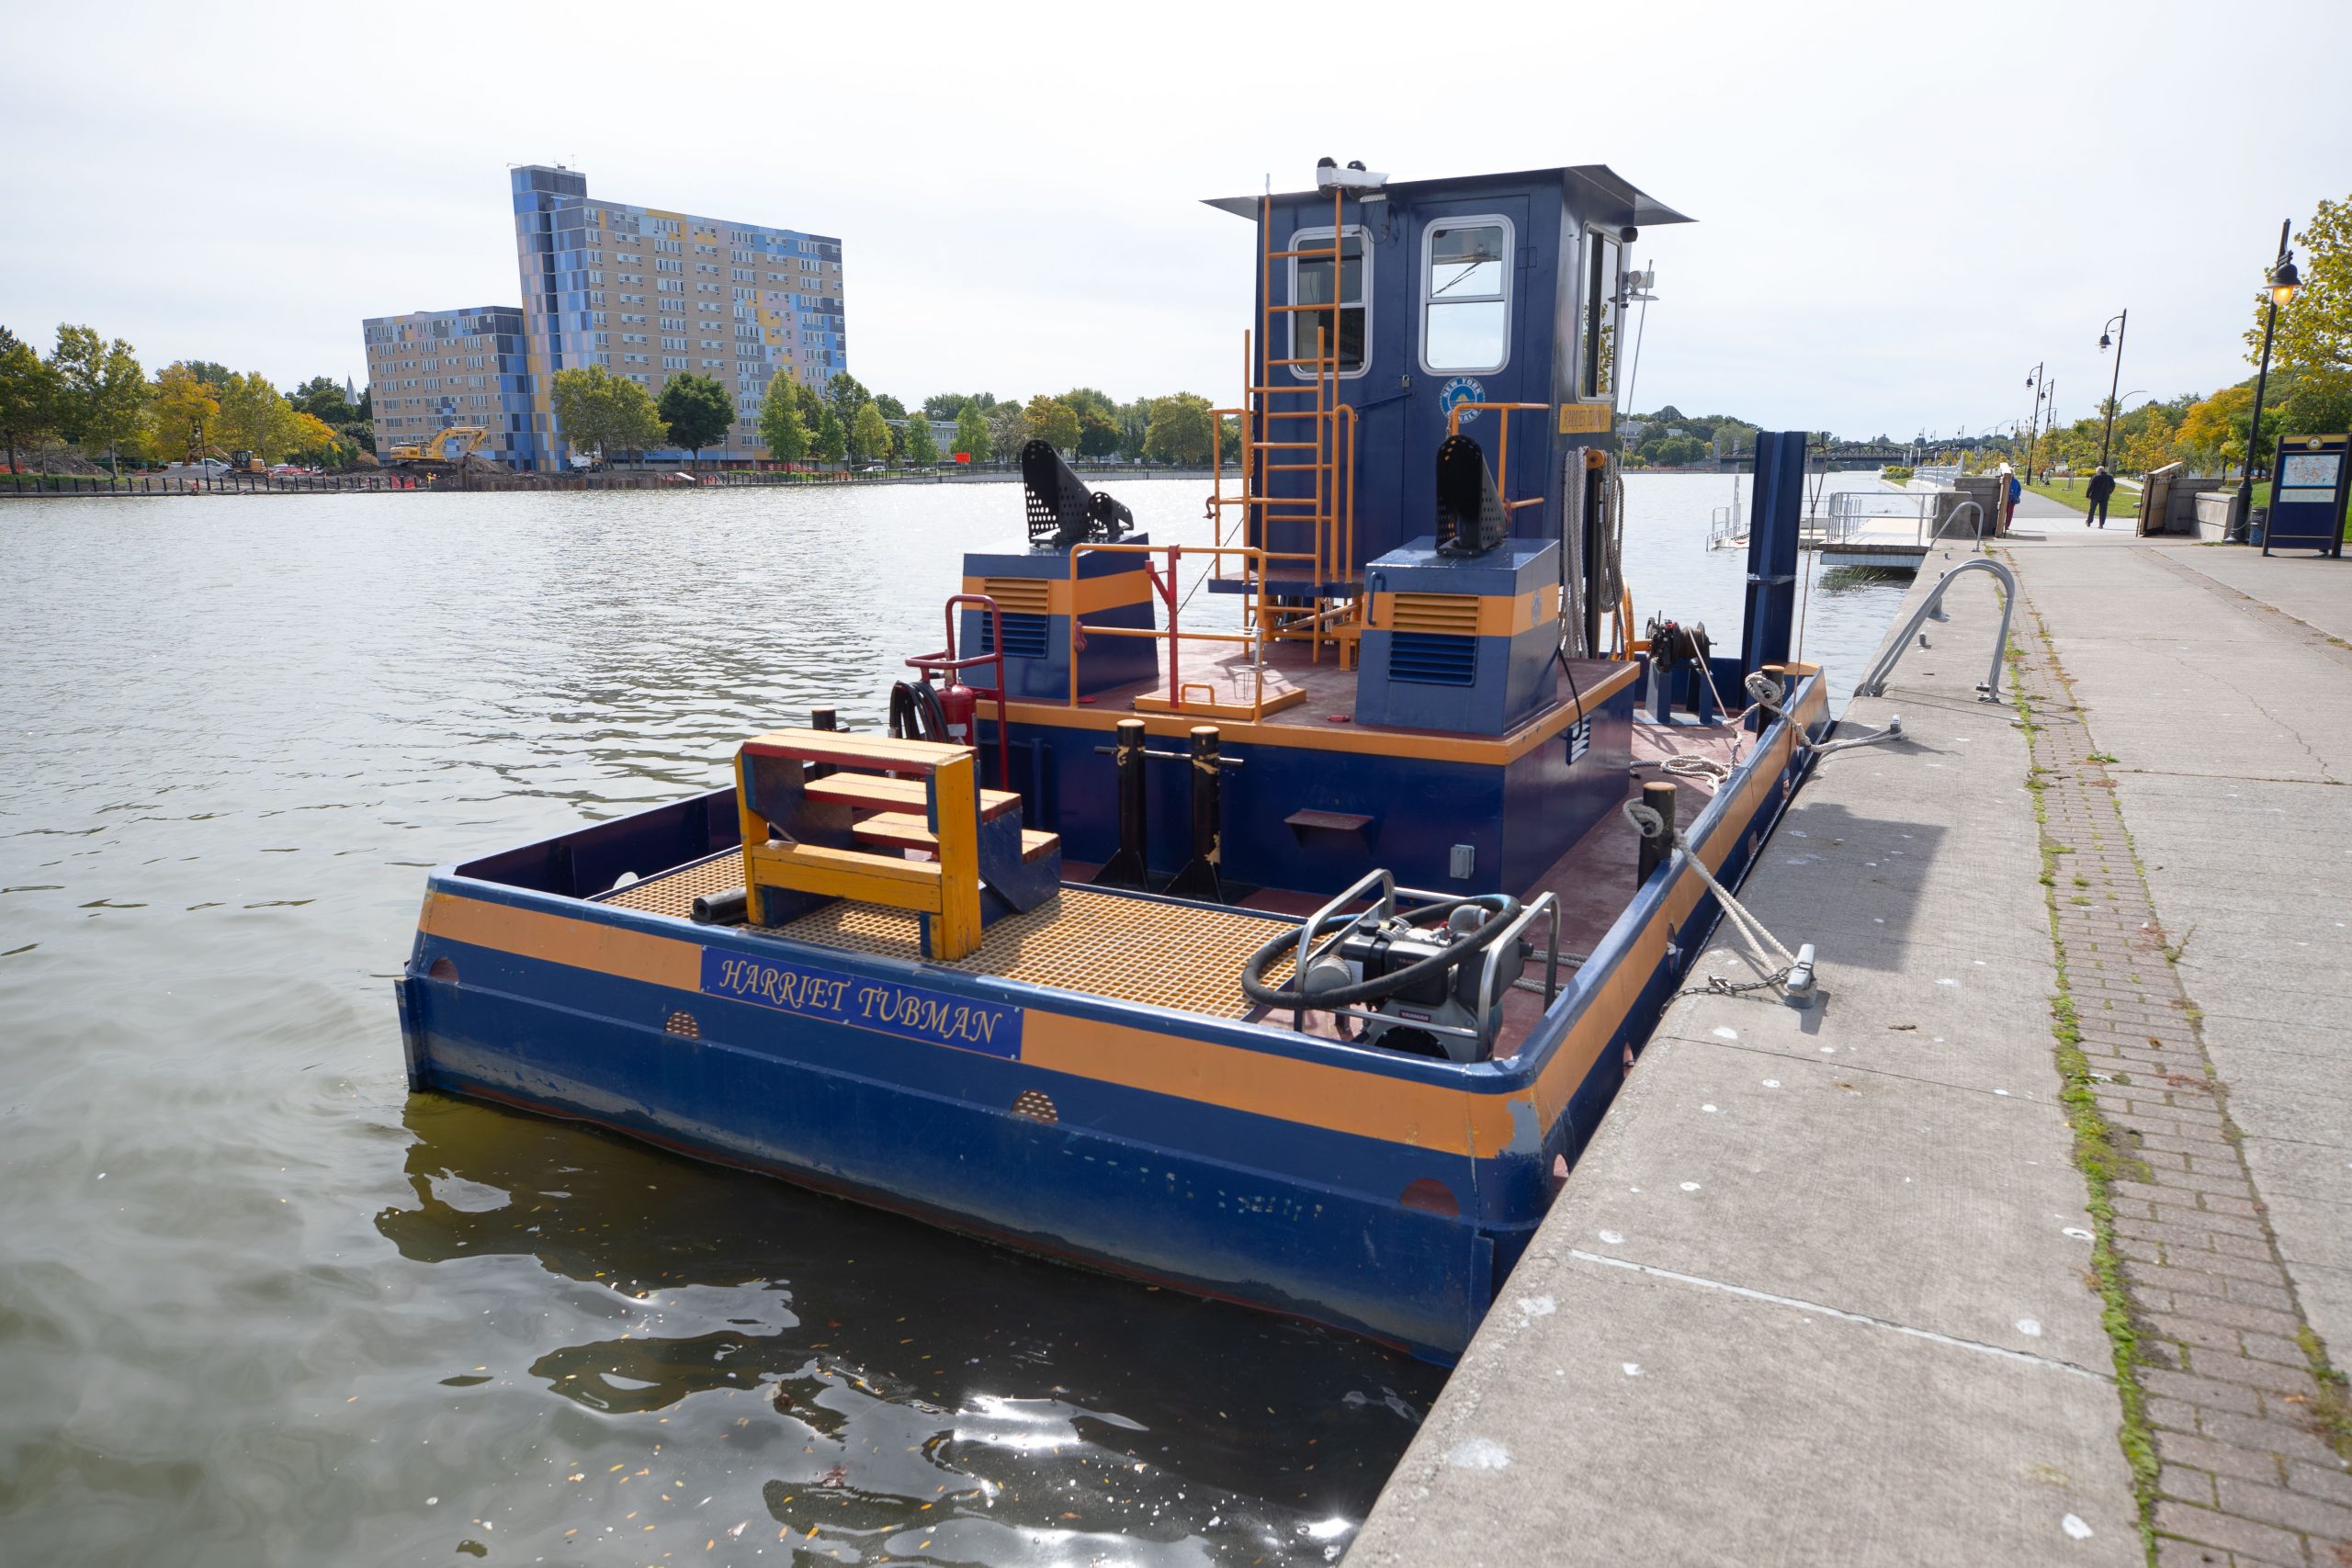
x=2240 y=1411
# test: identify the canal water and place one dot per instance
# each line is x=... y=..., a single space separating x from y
x=258 y=1305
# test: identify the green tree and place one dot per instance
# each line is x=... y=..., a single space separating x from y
x=845 y=395
x=2315 y=327
x=101 y=392
x=1007 y=428
x=833 y=441
x=811 y=404
x=1179 y=432
x=781 y=430
x=697 y=411
x=869 y=433
x=1053 y=421
x=597 y=411
x=1097 y=436
x=918 y=445
x=971 y=432
x=254 y=418
x=28 y=396
x=322 y=397
x=947 y=405
x=891 y=407
x=1085 y=400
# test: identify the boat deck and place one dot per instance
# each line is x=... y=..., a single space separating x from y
x=1218 y=681
x=1188 y=957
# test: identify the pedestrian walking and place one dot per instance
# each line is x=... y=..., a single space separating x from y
x=2102 y=485
x=2009 y=497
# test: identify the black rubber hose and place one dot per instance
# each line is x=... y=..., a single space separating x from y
x=915 y=714
x=1504 y=905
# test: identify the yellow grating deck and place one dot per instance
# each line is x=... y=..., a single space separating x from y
x=1131 y=950
x=674 y=891
x=1135 y=950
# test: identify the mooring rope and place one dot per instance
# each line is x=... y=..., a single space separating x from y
x=1767 y=948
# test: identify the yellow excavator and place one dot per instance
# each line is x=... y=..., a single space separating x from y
x=452 y=445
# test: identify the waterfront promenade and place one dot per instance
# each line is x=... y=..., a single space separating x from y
x=2025 y=1243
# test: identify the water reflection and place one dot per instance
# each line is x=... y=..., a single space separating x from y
x=257 y=1303
x=896 y=1392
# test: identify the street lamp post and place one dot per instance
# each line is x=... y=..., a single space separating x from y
x=2107 y=435
x=2033 y=424
x=2284 y=281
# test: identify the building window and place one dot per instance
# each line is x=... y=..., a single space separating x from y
x=1311 y=284
x=1466 y=295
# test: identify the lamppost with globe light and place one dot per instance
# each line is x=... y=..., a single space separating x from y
x=2284 y=281
x=2033 y=425
x=2118 y=322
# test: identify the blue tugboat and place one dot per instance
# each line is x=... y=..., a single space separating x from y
x=1289 y=954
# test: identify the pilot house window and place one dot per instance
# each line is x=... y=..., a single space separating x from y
x=1311 y=284
x=1602 y=312
x=1466 y=295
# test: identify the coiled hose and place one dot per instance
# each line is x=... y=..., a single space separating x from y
x=1503 y=908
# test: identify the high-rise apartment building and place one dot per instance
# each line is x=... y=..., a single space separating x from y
x=648 y=293
x=435 y=370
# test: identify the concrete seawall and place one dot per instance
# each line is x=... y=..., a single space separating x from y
x=1906 y=1277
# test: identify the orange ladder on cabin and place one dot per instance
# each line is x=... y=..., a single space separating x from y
x=845 y=834
x=1316 y=438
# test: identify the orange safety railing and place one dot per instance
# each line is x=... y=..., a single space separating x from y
x=1502 y=448
x=1253 y=568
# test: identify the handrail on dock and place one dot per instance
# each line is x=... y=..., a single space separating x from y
x=1873 y=680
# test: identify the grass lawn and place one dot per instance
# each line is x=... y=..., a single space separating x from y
x=2125 y=502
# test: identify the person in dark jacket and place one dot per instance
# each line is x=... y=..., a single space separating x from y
x=2102 y=485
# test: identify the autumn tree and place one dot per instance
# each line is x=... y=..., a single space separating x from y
x=182 y=414
x=101 y=392
x=597 y=411
x=28 y=396
x=1053 y=421
x=781 y=430
x=972 y=432
x=697 y=409
x=2214 y=430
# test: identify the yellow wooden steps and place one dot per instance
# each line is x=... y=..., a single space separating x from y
x=905 y=831
x=870 y=791
x=850 y=873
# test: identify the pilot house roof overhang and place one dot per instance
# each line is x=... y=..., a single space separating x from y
x=1595 y=190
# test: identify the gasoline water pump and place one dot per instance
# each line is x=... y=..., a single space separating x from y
x=1434 y=975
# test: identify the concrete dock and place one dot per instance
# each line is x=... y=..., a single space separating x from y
x=2027 y=1242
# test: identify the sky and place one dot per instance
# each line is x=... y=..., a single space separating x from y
x=1902 y=208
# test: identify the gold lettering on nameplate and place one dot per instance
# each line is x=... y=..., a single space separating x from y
x=911 y=1012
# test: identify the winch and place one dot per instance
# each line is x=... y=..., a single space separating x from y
x=1436 y=973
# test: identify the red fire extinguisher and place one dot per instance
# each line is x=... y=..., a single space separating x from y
x=958 y=706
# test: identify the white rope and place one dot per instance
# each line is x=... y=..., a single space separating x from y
x=1766 y=947
x=1697 y=768
x=1893 y=731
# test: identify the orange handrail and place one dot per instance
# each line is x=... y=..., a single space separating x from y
x=1502 y=448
